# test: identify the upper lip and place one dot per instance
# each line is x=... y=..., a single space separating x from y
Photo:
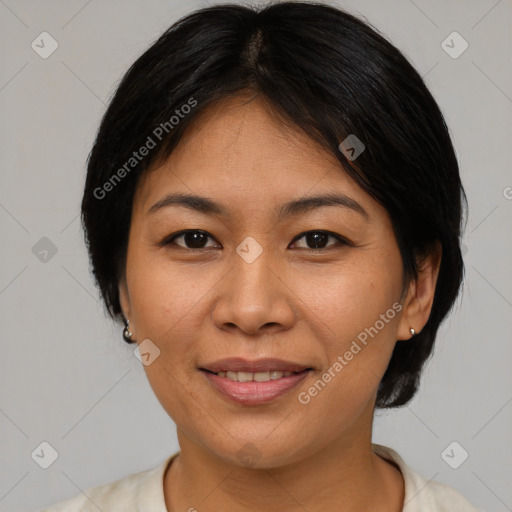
x=239 y=364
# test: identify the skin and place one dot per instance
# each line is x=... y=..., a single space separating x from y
x=295 y=302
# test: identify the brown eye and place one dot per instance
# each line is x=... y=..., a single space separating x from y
x=319 y=239
x=191 y=239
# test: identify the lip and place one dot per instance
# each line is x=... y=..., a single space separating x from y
x=239 y=364
x=254 y=393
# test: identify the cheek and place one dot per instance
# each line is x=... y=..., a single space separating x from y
x=345 y=299
x=355 y=312
x=166 y=296
x=166 y=302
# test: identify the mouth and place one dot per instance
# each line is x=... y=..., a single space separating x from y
x=254 y=383
x=256 y=376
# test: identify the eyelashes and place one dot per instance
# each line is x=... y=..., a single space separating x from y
x=188 y=235
x=324 y=236
x=198 y=238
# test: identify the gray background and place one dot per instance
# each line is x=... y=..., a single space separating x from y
x=66 y=375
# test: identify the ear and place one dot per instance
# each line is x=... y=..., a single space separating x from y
x=124 y=297
x=420 y=296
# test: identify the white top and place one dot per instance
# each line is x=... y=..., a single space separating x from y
x=144 y=491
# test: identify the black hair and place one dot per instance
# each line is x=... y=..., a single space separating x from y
x=329 y=74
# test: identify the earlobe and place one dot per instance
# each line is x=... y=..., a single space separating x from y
x=420 y=297
x=124 y=301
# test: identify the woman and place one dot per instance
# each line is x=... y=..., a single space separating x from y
x=273 y=208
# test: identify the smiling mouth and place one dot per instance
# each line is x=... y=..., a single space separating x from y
x=254 y=388
x=256 y=376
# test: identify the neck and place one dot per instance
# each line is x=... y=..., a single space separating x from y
x=345 y=471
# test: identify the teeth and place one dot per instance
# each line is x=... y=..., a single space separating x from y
x=258 y=376
x=245 y=376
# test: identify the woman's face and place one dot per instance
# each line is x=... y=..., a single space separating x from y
x=249 y=284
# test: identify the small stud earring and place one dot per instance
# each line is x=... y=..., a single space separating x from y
x=127 y=334
x=412 y=331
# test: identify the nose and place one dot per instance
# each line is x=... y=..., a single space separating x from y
x=254 y=297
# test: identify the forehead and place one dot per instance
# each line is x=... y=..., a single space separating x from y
x=239 y=152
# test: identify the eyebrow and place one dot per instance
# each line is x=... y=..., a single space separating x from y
x=303 y=205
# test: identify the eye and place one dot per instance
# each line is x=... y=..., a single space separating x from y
x=192 y=238
x=197 y=239
x=319 y=239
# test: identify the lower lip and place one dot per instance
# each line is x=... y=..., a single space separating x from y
x=254 y=393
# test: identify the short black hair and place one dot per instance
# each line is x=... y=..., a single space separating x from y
x=327 y=73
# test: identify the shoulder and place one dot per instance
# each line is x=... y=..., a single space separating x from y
x=447 y=499
x=422 y=495
x=123 y=495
